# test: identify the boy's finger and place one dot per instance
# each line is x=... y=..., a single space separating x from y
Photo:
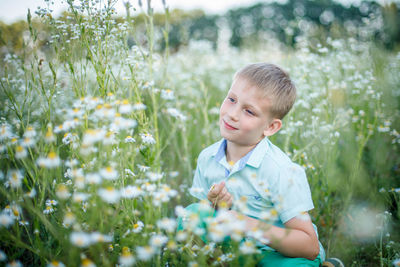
x=218 y=188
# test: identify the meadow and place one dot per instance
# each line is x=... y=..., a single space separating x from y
x=99 y=140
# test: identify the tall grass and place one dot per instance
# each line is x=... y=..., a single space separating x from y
x=99 y=141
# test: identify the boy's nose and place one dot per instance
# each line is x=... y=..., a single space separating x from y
x=234 y=114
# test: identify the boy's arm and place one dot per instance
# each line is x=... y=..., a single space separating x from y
x=297 y=240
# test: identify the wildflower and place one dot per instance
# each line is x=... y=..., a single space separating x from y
x=80 y=239
x=30 y=132
x=131 y=192
x=129 y=139
x=49 y=136
x=55 y=263
x=171 y=245
x=59 y=129
x=193 y=264
x=71 y=163
x=109 y=173
x=129 y=172
x=51 y=202
x=126 y=259
x=15 y=210
x=137 y=227
x=5 y=132
x=383 y=129
x=167 y=94
x=145 y=253
x=98 y=237
x=109 y=138
x=109 y=194
x=143 y=168
x=27 y=142
x=76 y=112
x=182 y=236
x=80 y=197
x=14 y=263
x=149 y=187
x=147 y=138
x=23 y=223
x=258 y=235
x=303 y=216
x=92 y=136
x=87 y=263
x=20 y=152
x=93 y=178
x=51 y=161
x=180 y=211
x=209 y=248
x=125 y=107
x=176 y=113
x=6 y=219
x=15 y=178
x=139 y=106
x=167 y=190
x=62 y=192
x=247 y=247
x=154 y=176
x=167 y=224
x=48 y=210
x=68 y=138
x=158 y=240
x=120 y=123
x=69 y=219
x=269 y=215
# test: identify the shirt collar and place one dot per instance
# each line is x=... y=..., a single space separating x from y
x=253 y=158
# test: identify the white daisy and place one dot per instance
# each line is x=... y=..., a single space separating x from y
x=109 y=194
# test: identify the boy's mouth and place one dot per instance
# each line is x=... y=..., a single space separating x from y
x=228 y=126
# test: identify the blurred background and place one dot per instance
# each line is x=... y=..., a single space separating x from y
x=244 y=23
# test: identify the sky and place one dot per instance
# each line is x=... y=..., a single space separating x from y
x=13 y=10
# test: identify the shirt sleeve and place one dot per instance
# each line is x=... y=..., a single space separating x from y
x=293 y=193
x=199 y=187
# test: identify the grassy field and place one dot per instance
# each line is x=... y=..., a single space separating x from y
x=99 y=141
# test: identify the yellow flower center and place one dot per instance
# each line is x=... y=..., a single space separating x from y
x=110 y=188
x=86 y=262
x=52 y=155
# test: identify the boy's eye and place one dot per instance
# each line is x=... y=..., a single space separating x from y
x=250 y=112
x=231 y=99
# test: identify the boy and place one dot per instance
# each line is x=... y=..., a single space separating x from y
x=246 y=165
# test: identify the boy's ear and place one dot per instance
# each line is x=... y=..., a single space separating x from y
x=273 y=126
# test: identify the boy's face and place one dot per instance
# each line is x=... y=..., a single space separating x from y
x=244 y=117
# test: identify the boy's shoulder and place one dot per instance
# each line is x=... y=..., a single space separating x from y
x=278 y=162
x=277 y=156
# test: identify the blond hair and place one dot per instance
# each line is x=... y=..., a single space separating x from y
x=274 y=82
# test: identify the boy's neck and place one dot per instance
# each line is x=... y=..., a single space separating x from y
x=235 y=152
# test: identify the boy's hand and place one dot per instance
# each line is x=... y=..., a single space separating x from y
x=219 y=196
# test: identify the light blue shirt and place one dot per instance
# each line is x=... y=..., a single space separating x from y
x=266 y=178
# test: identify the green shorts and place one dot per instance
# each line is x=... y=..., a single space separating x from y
x=269 y=257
